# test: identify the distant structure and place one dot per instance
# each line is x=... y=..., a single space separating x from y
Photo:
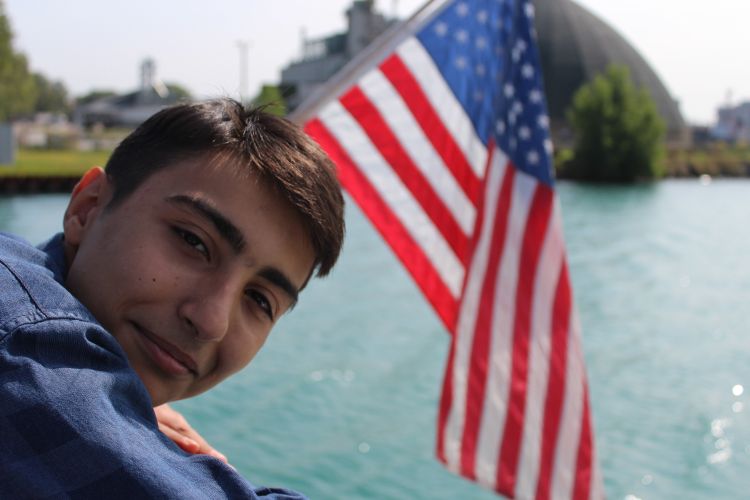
x=323 y=57
x=574 y=44
x=131 y=109
x=733 y=124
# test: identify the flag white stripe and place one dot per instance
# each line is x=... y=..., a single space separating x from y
x=501 y=343
x=597 y=484
x=371 y=164
x=468 y=313
x=452 y=114
x=397 y=115
x=545 y=286
x=566 y=455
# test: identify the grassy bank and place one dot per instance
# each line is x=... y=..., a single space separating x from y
x=714 y=159
x=717 y=160
x=46 y=163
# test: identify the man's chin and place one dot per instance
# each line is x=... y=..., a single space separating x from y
x=158 y=389
x=161 y=387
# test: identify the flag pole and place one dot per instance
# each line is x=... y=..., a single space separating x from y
x=369 y=57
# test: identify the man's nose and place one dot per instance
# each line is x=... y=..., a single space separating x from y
x=207 y=311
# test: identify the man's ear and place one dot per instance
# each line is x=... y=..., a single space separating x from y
x=86 y=201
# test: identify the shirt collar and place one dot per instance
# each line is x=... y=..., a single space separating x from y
x=55 y=250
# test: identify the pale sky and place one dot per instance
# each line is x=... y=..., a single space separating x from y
x=698 y=48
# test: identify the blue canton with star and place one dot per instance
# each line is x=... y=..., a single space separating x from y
x=486 y=51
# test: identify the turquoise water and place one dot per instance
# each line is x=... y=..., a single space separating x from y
x=341 y=402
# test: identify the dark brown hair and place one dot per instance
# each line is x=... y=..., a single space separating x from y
x=268 y=146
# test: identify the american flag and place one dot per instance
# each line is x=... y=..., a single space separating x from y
x=440 y=133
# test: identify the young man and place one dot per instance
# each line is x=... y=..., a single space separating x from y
x=173 y=266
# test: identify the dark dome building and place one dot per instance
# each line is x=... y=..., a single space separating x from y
x=575 y=46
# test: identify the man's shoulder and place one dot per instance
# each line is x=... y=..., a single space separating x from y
x=31 y=281
x=14 y=249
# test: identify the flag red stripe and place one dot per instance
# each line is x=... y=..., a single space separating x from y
x=446 y=400
x=383 y=138
x=446 y=397
x=584 y=464
x=536 y=228
x=479 y=221
x=384 y=220
x=555 y=382
x=442 y=140
x=477 y=377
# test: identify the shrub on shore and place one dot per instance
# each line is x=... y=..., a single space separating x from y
x=618 y=132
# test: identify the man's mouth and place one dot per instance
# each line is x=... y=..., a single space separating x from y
x=167 y=356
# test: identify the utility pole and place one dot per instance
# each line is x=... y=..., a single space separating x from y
x=243 y=46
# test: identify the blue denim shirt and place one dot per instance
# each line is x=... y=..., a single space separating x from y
x=75 y=419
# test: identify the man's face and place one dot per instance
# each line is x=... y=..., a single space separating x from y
x=189 y=272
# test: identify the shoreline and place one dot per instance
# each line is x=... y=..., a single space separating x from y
x=57 y=171
x=14 y=185
x=37 y=184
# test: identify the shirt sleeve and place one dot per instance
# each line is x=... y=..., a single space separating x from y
x=76 y=422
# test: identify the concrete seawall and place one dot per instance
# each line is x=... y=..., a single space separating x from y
x=37 y=184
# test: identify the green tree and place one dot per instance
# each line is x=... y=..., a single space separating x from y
x=618 y=132
x=270 y=97
x=17 y=88
x=52 y=96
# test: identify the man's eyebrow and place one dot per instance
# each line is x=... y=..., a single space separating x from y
x=279 y=279
x=223 y=225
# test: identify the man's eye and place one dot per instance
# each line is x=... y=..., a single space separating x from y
x=262 y=302
x=193 y=240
